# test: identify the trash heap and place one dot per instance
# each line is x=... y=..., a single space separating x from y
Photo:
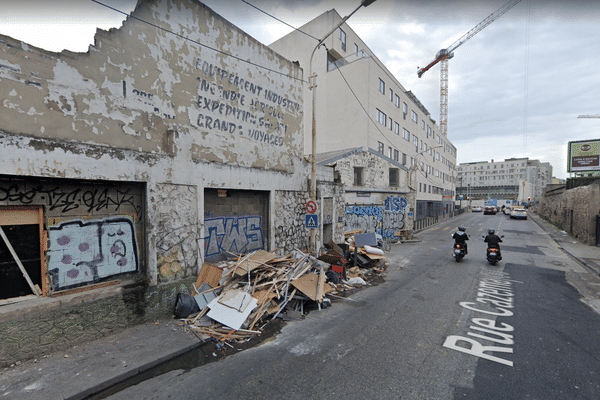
x=234 y=300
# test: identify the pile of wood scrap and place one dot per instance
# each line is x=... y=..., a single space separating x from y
x=235 y=295
x=367 y=244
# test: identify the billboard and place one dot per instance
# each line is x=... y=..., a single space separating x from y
x=584 y=155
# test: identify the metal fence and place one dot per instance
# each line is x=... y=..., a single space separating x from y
x=426 y=222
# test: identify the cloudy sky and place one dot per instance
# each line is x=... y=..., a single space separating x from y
x=515 y=89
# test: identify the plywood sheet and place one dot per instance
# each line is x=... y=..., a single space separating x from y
x=210 y=274
x=308 y=283
x=257 y=259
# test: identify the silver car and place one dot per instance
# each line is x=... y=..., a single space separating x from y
x=518 y=213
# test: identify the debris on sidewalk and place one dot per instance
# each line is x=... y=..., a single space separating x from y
x=235 y=299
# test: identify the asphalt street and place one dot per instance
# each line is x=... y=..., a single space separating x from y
x=436 y=329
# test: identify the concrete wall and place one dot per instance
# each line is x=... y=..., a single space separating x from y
x=573 y=210
x=167 y=112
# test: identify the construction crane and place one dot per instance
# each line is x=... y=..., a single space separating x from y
x=445 y=54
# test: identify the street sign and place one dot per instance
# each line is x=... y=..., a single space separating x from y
x=311 y=207
x=312 y=221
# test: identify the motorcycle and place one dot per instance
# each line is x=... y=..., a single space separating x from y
x=493 y=253
x=459 y=251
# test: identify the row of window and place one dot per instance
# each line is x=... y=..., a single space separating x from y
x=425 y=188
x=393 y=173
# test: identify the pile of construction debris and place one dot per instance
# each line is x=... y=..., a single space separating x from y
x=234 y=300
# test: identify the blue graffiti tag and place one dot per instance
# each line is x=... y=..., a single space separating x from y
x=232 y=234
x=370 y=211
x=396 y=204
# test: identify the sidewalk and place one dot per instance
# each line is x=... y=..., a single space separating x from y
x=586 y=254
x=90 y=368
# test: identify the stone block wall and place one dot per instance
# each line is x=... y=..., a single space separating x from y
x=573 y=210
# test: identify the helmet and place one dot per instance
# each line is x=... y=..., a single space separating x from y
x=491 y=231
x=462 y=228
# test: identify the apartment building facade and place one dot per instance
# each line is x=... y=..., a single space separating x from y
x=360 y=104
x=519 y=179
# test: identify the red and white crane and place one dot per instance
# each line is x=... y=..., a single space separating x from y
x=444 y=55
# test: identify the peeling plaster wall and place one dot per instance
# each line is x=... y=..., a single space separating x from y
x=171 y=113
x=138 y=82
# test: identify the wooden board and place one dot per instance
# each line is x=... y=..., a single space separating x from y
x=256 y=260
x=210 y=274
x=308 y=283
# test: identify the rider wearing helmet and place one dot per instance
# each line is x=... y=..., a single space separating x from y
x=493 y=240
x=461 y=237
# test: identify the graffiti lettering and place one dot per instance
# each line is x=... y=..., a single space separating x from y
x=82 y=252
x=396 y=204
x=232 y=234
x=68 y=200
x=384 y=220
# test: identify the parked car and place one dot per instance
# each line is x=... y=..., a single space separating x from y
x=477 y=209
x=506 y=211
x=489 y=210
x=518 y=213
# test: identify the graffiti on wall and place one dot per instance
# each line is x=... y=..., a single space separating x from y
x=367 y=218
x=375 y=218
x=232 y=234
x=84 y=252
x=67 y=200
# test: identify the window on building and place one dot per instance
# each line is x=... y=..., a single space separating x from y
x=396 y=154
x=389 y=152
x=343 y=39
x=390 y=124
x=355 y=49
x=394 y=177
x=403 y=159
x=358 y=176
x=397 y=128
x=381 y=86
x=381 y=117
x=406 y=134
x=423 y=124
x=404 y=110
x=380 y=147
x=415 y=117
x=397 y=101
x=416 y=143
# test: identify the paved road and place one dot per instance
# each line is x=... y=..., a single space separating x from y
x=436 y=329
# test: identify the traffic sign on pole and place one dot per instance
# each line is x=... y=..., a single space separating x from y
x=311 y=207
x=312 y=221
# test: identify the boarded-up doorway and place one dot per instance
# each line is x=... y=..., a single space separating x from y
x=24 y=229
x=235 y=221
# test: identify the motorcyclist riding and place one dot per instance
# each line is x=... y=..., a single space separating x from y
x=461 y=237
x=493 y=240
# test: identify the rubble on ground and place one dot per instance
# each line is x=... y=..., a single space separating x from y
x=232 y=301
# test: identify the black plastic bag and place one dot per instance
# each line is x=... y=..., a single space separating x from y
x=185 y=305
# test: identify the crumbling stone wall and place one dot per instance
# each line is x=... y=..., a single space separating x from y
x=573 y=210
x=61 y=323
x=178 y=226
x=289 y=210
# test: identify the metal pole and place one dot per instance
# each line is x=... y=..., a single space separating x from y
x=313 y=87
